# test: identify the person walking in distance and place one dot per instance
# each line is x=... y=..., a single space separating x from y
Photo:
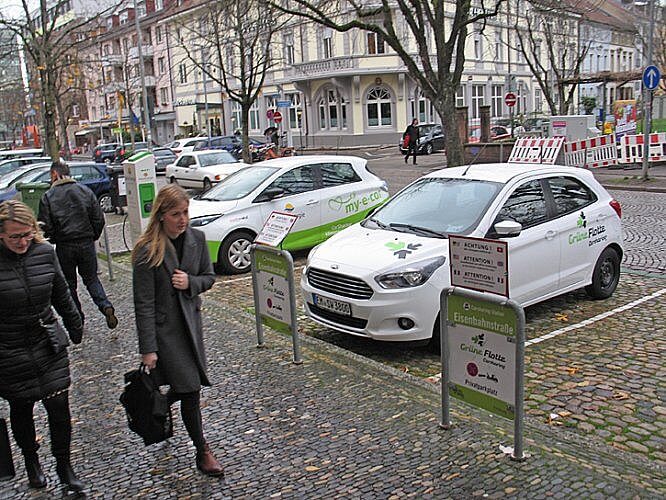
x=412 y=132
x=73 y=221
x=171 y=267
x=34 y=365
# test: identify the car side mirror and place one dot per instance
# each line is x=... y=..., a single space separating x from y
x=507 y=228
x=270 y=194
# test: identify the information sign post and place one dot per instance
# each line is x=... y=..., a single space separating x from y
x=482 y=334
x=273 y=281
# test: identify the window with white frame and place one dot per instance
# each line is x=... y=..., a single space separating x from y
x=421 y=108
x=295 y=111
x=477 y=99
x=254 y=116
x=182 y=73
x=159 y=4
x=378 y=107
x=75 y=110
x=478 y=45
x=460 y=96
x=327 y=43
x=124 y=17
x=141 y=8
x=236 y=115
x=161 y=66
x=158 y=34
x=288 y=41
x=376 y=44
x=332 y=111
x=230 y=60
x=496 y=100
x=521 y=101
x=499 y=47
x=538 y=101
x=164 y=96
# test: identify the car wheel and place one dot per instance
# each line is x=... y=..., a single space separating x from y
x=207 y=184
x=105 y=203
x=606 y=275
x=428 y=148
x=172 y=180
x=234 y=254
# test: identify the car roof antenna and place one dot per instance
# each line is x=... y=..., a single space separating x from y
x=465 y=172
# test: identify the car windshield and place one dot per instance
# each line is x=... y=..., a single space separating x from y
x=436 y=207
x=217 y=158
x=239 y=184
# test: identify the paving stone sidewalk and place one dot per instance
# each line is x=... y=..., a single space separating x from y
x=336 y=426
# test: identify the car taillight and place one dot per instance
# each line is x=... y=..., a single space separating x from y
x=615 y=205
x=122 y=152
x=97 y=153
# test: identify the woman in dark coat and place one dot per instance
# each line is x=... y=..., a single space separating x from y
x=171 y=268
x=412 y=133
x=32 y=368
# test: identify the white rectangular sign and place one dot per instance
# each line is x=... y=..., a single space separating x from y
x=276 y=228
x=479 y=264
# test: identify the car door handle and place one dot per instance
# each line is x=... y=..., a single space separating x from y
x=551 y=234
x=601 y=217
x=312 y=202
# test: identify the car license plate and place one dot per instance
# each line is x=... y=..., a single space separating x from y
x=336 y=306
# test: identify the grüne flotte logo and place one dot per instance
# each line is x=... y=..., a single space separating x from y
x=582 y=222
x=593 y=235
x=401 y=249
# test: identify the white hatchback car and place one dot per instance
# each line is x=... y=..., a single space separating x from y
x=382 y=278
x=202 y=169
x=328 y=193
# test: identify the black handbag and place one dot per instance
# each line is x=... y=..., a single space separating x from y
x=148 y=411
x=6 y=462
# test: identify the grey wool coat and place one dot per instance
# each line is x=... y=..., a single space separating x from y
x=168 y=320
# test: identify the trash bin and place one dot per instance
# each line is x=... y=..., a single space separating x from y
x=31 y=193
x=118 y=190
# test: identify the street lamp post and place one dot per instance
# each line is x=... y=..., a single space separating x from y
x=144 y=94
x=647 y=99
x=205 y=88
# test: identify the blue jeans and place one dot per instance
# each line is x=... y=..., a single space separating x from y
x=82 y=255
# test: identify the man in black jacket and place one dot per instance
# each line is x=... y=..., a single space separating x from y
x=73 y=221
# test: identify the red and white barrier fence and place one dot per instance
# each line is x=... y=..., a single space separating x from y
x=593 y=152
x=631 y=148
x=536 y=150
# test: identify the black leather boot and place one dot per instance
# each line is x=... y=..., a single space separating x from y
x=36 y=477
x=67 y=476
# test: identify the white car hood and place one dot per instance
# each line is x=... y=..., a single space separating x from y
x=201 y=208
x=360 y=250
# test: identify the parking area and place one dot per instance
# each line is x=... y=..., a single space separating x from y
x=594 y=367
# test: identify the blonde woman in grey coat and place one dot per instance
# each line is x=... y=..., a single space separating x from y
x=171 y=268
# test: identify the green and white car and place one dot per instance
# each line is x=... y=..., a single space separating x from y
x=328 y=193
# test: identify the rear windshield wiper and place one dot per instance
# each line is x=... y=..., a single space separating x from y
x=417 y=229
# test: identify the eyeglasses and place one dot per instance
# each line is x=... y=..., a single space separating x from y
x=23 y=236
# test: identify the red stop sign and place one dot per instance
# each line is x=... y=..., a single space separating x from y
x=277 y=117
x=510 y=99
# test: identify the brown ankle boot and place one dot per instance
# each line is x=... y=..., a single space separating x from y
x=207 y=463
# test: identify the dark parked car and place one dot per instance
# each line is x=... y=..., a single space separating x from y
x=91 y=174
x=105 y=152
x=226 y=142
x=163 y=157
x=431 y=139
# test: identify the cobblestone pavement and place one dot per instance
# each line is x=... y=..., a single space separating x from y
x=338 y=425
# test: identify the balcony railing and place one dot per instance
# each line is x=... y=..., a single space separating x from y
x=112 y=60
x=146 y=51
x=328 y=66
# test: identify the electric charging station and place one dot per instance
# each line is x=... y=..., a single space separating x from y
x=140 y=182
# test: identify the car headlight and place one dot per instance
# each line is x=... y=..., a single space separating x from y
x=410 y=276
x=204 y=221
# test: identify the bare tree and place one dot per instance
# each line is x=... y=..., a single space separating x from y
x=230 y=41
x=428 y=35
x=46 y=39
x=548 y=39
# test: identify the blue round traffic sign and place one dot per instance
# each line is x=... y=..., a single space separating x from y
x=651 y=77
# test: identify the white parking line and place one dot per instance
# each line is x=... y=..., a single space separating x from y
x=596 y=318
x=245 y=278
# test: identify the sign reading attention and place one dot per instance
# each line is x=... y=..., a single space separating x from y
x=482 y=356
x=479 y=264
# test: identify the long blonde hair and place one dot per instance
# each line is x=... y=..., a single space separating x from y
x=154 y=239
x=19 y=212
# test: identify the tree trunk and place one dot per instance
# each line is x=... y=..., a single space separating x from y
x=62 y=122
x=245 y=115
x=48 y=92
x=445 y=105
